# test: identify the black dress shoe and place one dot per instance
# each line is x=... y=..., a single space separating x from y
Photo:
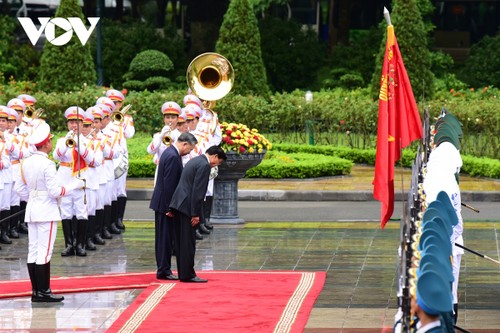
x=4 y=238
x=90 y=245
x=119 y=224
x=195 y=279
x=13 y=233
x=106 y=234
x=114 y=230
x=197 y=235
x=98 y=240
x=22 y=228
x=209 y=225
x=203 y=230
x=68 y=251
x=167 y=277
x=46 y=296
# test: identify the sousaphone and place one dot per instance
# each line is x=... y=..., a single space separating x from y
x=210 y=77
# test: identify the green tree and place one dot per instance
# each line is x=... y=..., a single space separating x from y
x=67 y=67
x=482 y=68
x=239 y=42
x=413 y=43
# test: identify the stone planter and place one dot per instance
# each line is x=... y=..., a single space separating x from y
x=225 y=205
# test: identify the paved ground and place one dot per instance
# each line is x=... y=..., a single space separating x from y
x=342 y=238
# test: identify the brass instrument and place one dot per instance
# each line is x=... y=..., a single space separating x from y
x=91 y=133
x=210 y=76
x=167 y=139
x=31 y=113
x=70 y=141
x=119 y=116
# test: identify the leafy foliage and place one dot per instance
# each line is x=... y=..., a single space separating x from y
x=19 y=61
x=412 y=38
x=148 y=71
x=123 y=40
x=67 y=67
x=299 y=165
x=292 y=56
x=239 y=42
x=482 y=68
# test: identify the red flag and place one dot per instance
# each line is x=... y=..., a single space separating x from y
x=398 y=124
x=78 y=167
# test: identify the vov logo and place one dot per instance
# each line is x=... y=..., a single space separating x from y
x=49 y=25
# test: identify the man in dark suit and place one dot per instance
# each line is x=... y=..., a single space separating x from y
x=169 y=173
x=186 y=204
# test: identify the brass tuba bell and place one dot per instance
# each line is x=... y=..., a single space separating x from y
x=210 y=76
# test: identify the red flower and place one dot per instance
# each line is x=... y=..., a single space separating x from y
x=124 y=91
x=250 y=142
x=342 y=122
x=228 y=132
x=231 y=142
x=242 y=149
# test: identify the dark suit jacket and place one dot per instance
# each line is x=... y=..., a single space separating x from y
x=192 y=187
x=169 y=173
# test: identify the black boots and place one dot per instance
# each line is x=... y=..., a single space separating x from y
x=14 y=221
x=122 y=203
x=81 y=238
x=99 y=220
x=22 y=228
x=114 y=217
x=106 y=234
x=31 y=273
x=89 y=243
x=40 y=282
x=4 y=228
x=69 y=240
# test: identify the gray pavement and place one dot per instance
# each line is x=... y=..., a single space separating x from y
x=317 y=211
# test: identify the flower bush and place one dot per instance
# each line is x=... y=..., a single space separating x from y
x=239 y=138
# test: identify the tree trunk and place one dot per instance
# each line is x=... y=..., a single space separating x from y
x=162 y=12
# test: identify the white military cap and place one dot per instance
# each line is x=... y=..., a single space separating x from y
x=171 y=108
x=106 y=110
x=107 y=101
x=193 y=100
x=17 y=104
x=27 y=99
x=13 y=115
x=41 y=134
x=96 y=112
x=74 y=113
x=115 y=95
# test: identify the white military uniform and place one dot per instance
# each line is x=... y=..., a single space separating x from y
x=157 y=147
x=444 y=162
x=37 y=181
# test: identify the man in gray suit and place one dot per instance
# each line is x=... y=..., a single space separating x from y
x=186 y=204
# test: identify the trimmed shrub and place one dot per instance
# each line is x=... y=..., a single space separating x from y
x=67 y=67
x=299 y=165
x=239 y=42
x=148 y=71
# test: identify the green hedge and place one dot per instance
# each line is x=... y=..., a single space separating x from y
x=299 y=165
x=304 y=161
x=335 y=113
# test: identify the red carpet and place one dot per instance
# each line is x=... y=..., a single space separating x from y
x=229 y=302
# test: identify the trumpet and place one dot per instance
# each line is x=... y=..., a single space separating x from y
x=119 y=116
x=91 y=133
x=167 y=139
x=31 y=113
x=70 y=141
